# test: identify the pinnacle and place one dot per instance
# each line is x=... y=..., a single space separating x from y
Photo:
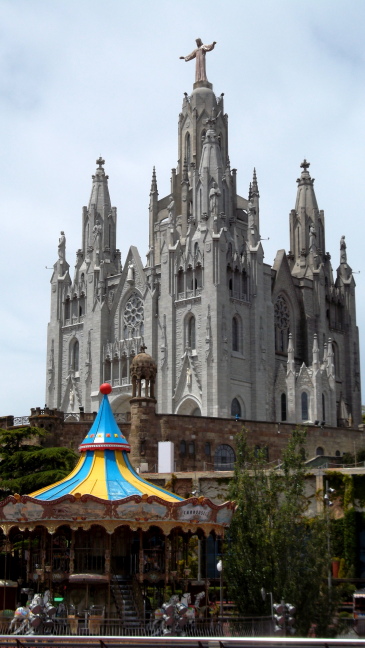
x=154 y=181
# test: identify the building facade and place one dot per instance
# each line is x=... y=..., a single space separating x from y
x=231 y=335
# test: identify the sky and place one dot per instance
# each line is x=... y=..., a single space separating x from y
x=83 y=78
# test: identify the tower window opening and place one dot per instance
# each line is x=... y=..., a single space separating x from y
x=305 y=409
x=236 y=408
x=235 y=334
x=75 y=354
x=191 y=343
x=283 y=407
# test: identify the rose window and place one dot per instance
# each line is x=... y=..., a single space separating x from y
x=133 y=312
x=282 y=317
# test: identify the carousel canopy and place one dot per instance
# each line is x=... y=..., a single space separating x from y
x=104 y=469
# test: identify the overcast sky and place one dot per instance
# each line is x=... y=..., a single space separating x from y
x=83 y=78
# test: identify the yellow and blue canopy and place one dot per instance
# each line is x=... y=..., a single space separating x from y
x=104 y=469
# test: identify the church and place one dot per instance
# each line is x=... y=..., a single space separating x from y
x=231 y=335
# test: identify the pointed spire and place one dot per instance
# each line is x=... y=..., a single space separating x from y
x=290 y=362
x=100 y=192
x=250 y=191
x=154 y=181
x=306 y=199
x=315 y=353
x=185 y=174
x=255 y=187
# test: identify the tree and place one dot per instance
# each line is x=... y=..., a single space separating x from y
x=272 y=542
x=26 y=465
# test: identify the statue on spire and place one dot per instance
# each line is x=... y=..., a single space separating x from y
x=199 y=55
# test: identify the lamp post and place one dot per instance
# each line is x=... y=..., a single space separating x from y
x=327 y=502
x=220 y=570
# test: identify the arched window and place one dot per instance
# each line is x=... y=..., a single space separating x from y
x=283 y=407
x=224 y=458
x=180 y=281
x=191 y=448
x=183 y=447
x=235 y=334
x=75 y=353
x=67 y=309
x=304 y=401
x=236 y=408
x=319 y=452
x=323 y=407
x=207 y=448
x=187 y=149
x=191 y=332
x=107 y=371
x=82 y=305
x=336 y=360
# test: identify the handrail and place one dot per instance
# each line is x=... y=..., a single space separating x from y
x=138 y=598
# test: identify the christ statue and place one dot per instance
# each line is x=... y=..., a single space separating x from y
x=199 y=55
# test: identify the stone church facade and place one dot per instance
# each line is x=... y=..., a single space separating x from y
x=231 y=335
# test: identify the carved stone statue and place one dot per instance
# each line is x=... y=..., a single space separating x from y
x=312 y=237
x=199 y=55
x=97 y=235
x=214 y=194
x=72 y=399
x=130 y=274
x=62 y=246
x=343 y=253
x=170 y=209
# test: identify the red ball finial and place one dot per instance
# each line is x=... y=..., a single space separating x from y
x=105 y=388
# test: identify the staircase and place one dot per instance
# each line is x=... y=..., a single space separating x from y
x=121 y=589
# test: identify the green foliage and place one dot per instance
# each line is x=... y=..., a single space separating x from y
x=272 y=542
x=26 y=465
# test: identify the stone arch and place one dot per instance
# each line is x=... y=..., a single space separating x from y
x=188 y=406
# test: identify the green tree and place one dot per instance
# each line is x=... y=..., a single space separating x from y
x=272 y=542
x=26 y=465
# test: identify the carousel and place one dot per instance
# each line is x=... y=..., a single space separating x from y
x=104 y=542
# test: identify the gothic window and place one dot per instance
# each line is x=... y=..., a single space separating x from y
x=187 y=149
x=236 y=408
x=180 y=281
x=124 y=368
x=82 y=305
x=134 y=315
x=319 y=452
x=196 y=412
x=305 y=409
x=323 y=407
x=283 y=407
x=224 y=458
x=75 y=353
x=115 y=370
x=198 y=276
x=336 y=359
x=235 y=334
x=107 y=371
x=190 y=332
x=244 y=285
x=282 y=324
x=67 y=309
x=74 y=307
